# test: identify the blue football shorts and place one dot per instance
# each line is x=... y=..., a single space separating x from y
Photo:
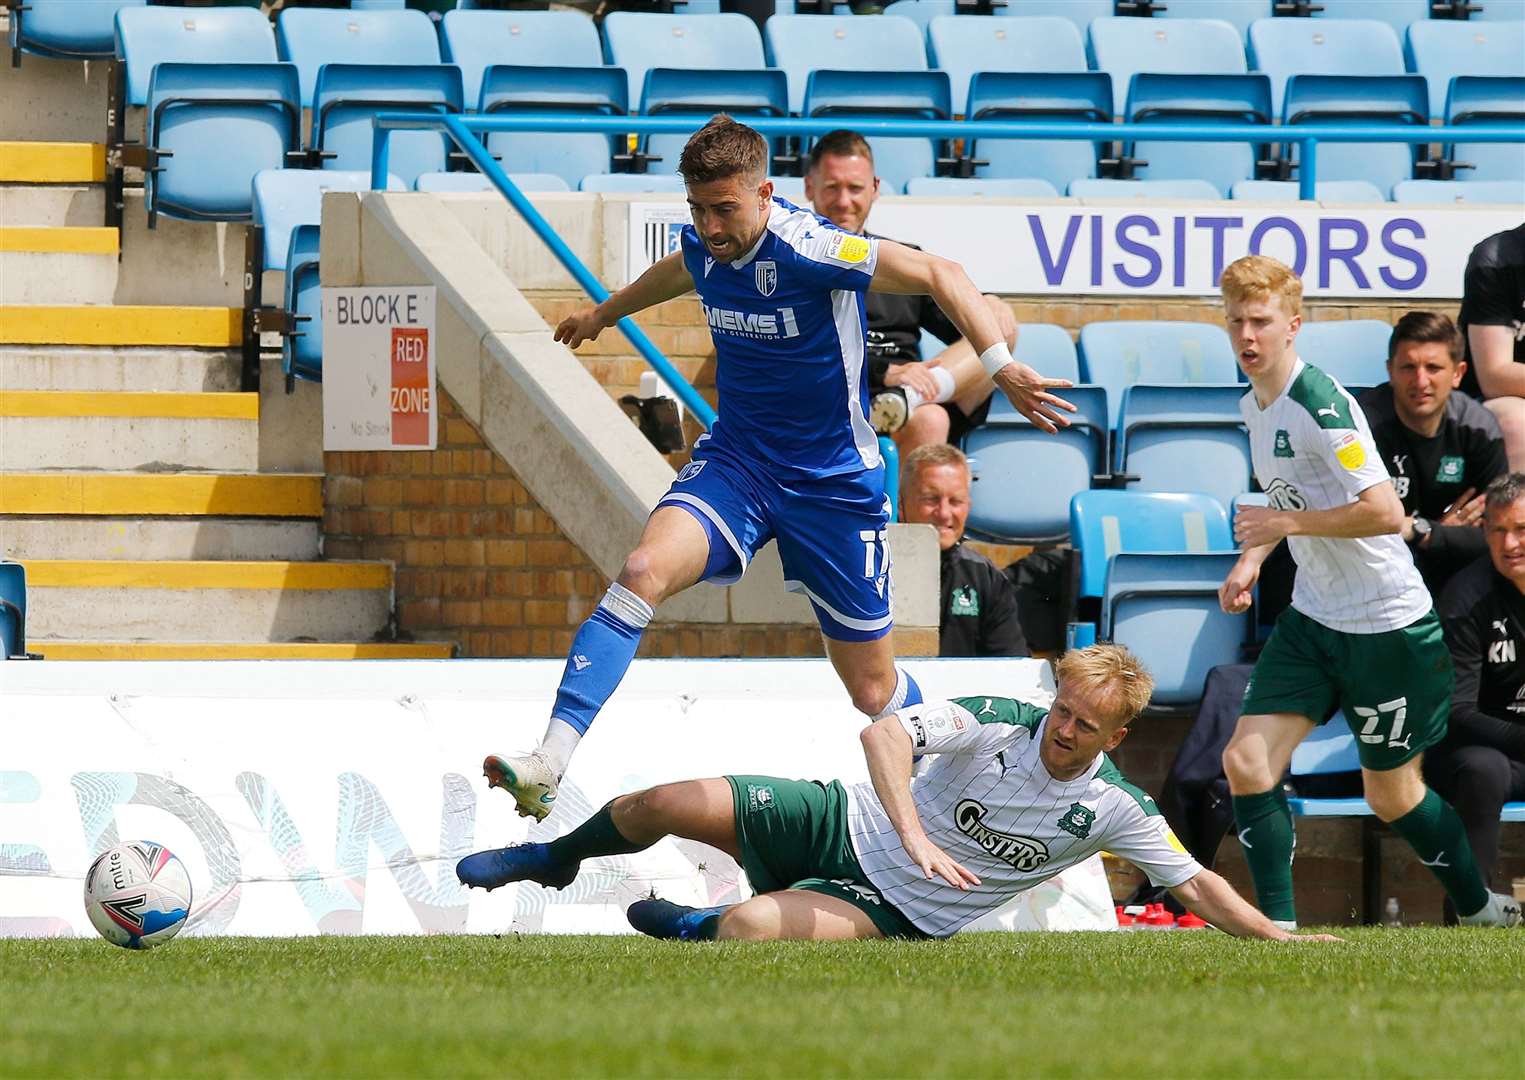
x=832 y=533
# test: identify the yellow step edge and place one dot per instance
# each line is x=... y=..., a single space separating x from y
x=193 y=574
x=167 y=404
x=258 y=650
x=70 y=240
x=296 y=495
x=52 y=163
x=121 y=324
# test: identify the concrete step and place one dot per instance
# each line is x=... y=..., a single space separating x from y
x=249 y=650
x=76 y=265
x=53 y=367
x=105 y=494
x=290 y=539
x=30 y=162
x=117 y=429
x=72 y=324
x=52 y=204
x=195 y=601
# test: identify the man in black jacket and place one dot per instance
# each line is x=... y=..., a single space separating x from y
x=1442 y=448
x=979 y=604
x=1493 y=318
x=1481 y=764
x=916 y=401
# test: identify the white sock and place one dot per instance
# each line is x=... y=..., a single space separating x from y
x=945 y=384
x=1285 y=924
x=558 y=743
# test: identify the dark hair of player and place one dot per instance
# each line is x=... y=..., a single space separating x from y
x=1424 y=327
x=843 y=142
x=721 y=149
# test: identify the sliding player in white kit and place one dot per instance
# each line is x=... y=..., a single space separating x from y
x=1361 y=634
x=1013 y=795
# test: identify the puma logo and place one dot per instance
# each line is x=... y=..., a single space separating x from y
x=986 y=708
x=1437 y=863
x=1244 y=838
x=1330 y=411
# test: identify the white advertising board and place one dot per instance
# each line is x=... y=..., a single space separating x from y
x=1144 y=250
x=378 y=368
x=313 y=798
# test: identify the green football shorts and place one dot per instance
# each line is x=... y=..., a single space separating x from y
x=793 y=835
x=1395 y=687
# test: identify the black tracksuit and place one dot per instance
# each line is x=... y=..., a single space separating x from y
x=979 y=608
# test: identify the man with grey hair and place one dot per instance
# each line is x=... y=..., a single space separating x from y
x=1481 y=764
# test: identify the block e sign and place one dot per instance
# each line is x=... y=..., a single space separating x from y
x=379 y=368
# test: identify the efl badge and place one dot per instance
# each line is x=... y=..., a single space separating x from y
x=1349 y=451
x=766 y=274
x=1077 y=820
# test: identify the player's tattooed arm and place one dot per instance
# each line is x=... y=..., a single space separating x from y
x=667 y=279
x=887 y=746
x=1215 y=900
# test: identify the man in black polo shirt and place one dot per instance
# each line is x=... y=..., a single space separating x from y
x=1481 y=764
x=979 y=605
x=1493 y=319
x=1442 y=448
x=917 y=402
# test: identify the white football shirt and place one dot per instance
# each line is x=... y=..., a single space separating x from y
x=1313 y=450
x=988 y=801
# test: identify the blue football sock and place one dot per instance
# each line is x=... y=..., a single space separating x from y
x=601 y=652
x=906 y=693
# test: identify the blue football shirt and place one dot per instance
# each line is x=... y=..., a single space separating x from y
x=789 y=324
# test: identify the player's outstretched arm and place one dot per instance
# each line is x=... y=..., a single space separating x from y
x=1215 y=900
x=908 y=271
x=888 y=749
x=1377 y=511
x=667 y=279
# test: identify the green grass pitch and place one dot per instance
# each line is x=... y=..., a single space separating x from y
x=1385 y=1003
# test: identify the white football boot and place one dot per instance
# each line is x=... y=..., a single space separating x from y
x=529 y=779
x=1500 y=910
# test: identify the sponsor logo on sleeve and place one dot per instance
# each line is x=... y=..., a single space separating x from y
x=1349 y=452
x=846 y=248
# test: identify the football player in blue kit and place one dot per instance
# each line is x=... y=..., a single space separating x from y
x=792 y=457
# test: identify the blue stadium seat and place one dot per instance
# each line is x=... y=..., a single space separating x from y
x=1123 y=46
x=219 y=107
x=1285 y=47
x=313 y=37
x=1198 y=99
x=1237 y=13
x=1488 y=101
x=1354 y=351
x=1500 y=11
x=288 y=208
x=1198 y=190
x=1119 y=354
x=377 y=5
x=1031 y=188
x=445 y=182
x=852 y=96
x=67 y=29
x=569 y=91
x=1080 y=12
x=1312 y=100
x=1185 y=438
x=1396 y=13
x=348 y=96
x=1163 y=607
x=964 y=45
x=1048 y=349
x=12 y=610
x=632 y=182
x=693 y=91
x=1022 y=479
x=1015 y=96
x=1441 y=49
x=1444 y=192
x=636 y=42
x=1331 y=191
x=476 y=40
x=801 y=44
x=1106 y=522
x=922 y=12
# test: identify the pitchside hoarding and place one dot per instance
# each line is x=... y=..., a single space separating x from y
x=308 y=798
x=378 y=368
x=1150 y=251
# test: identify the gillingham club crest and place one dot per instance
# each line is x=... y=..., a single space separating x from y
x=766 y=275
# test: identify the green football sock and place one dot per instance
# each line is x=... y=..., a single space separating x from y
x=1436 y=834
x=1264 y=822
x=594 y=837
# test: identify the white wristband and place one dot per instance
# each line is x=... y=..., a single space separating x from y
x=996 y=357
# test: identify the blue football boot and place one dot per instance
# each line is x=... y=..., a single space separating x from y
x=664 y=919
x=521 y=862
